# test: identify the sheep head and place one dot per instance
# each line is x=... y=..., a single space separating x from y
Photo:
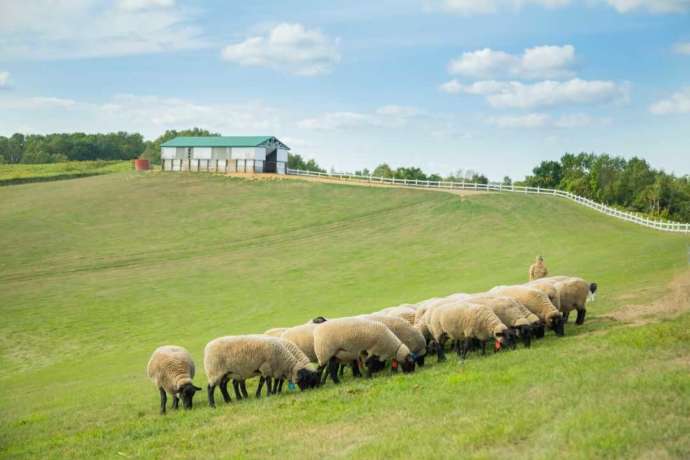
x=187 y=392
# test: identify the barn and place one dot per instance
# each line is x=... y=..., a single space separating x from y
x=260 y=154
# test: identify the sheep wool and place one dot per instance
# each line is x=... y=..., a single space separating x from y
x=509 y=311
x=245 y=356
x=464 y=320
x=347 y=338
x=534 y=300
x=276 y=331
x=403 y=330
x=170 y=367
x=548 y=287
x=303 y=337
x=402 y=311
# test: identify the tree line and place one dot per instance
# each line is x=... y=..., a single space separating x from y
x=630 y=184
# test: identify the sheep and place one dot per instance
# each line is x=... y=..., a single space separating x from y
x=276 y=331
x=573 y=293
x=171 y=369
x=403 y=330
x=405 y=312
x=512 y=313
x=345 y=339
x=303 y=337
x=422 y=322
x=535 y=301
x=464 y=321
x=242 y=357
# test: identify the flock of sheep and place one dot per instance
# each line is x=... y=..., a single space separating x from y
x=401 y=336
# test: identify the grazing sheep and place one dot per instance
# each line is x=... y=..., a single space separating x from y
x=573 y=294
x=303 y=337
x=464 y=321
x=535 y=301
x=403 y=330
x=345 y=339
x=511 y=313
x=276 y=331
x=538 y=269
x=548 y=287
x=405 y=312
x=171 y=369
x=243 y=357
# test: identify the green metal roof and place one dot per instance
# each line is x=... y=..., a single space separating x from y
x=217 y=141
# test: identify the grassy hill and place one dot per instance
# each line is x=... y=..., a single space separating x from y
x=97 y=272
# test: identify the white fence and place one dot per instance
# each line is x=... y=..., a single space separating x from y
x=663 y=225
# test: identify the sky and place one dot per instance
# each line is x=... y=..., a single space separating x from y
x=493 y=86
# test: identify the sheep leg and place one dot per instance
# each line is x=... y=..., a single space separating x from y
x=258 y=389
x=483 y=347
x=323 y=373
x=164 y=399
x=224 y=389
x=211 y=399
x=566 y=314
x=176 y=402
x=243 y=387
x=440 y=353
x=280 y=386
x=355 y=369
x=333 y=370
x=268 y=387
x=466 y=345
x=580 y=317
x=275 y=385
x=341 y=370
x=236 y=387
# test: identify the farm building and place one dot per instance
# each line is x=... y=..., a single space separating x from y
x=225 y=154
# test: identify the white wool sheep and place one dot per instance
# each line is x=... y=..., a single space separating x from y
x=276 y=331
x=171 y=369
x=463 y=321
x=243 y=357
x=535 y=301
x=346 y=339
x=512 y=313
x=405 y=312
x=573 y=292
x=549 y=288
x=403 y=330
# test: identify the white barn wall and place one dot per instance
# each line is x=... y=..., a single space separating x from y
x=282 y=155
x=201 y=153
x=168 y=153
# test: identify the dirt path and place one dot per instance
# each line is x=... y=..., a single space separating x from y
x=675 y=302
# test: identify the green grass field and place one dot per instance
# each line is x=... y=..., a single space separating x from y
x=13 y=174
x=97 y=272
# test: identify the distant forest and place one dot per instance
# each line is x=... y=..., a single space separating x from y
x=625 y=183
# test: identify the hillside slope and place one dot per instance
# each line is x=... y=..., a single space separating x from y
x=97 y=272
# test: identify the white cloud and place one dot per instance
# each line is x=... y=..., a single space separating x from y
x=682 y=48
x=678 y=103
x=389 y=116
x=58 y=29
x=653 y=6
x=542 y=120
x=287 y=47
x=534 y=63
x=4 y=79
x=36 y=103
x=137 y=5
x=475 y=7
x=547 y=93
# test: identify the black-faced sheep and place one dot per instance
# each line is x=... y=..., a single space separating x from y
x=171 y=369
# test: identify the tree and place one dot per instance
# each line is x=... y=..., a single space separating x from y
x=547 y=175
x=507 y=180
x=295 y=161
x=383 y=170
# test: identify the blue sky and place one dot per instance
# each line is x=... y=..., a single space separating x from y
x=491 y=85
